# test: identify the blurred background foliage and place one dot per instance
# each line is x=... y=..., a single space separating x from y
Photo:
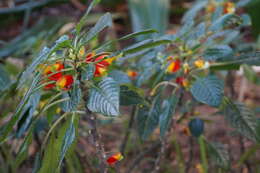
x=27 y=25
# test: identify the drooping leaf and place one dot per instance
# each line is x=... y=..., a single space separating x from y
x=208 y=90
x=146 y=44
x=192 y=13
x=15 y=117
x=57 y=147
x=217 y=52
x=27 y=115
x=75 y=97
x=151 y=118
x=5 y=80
x=84 y=18
x=104 y=98
x=219 y=155
x=120 y=77
x=67 y=140
x=242 y=119
x=130 y=96
x=102 y=23
x=226 y=20
x=168 y=109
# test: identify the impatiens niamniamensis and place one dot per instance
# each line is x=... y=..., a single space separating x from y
x=186 y=68
x=53 y=71
x=229 y=7
x=174 y=66
x=201 y=63
x=182 y=81
x=102 y=63
x=65 y=82
x=132 y=74
x=114 y=158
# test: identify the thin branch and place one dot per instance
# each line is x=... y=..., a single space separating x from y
x=129 y=129
x=160 y=156
x=141 y=156
x=95 y=136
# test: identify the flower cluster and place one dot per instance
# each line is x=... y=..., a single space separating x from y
x=114 y=158
x=101 y=63
x=56 y=78
x=175 y=65
x=228 y=7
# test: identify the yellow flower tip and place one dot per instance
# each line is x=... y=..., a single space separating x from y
x=189 y=52
x=61 y=83
x=210 y=8
x=185 y=83
x=186 y=131
x=58 y=110
x=199 y=63
x=110 y=60
x=186 y=68
x=131 y=73
x=82 y=51
x=170 y=58
x=119 y=156
x=199 y=168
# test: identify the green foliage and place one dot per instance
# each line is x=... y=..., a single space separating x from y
x=5 y=81
x=219 y=155
x=74 y=96
x=104 y=98
x=130 y=96
x=217 y=52
x=208 y=90
x=168 y=109
x=58 y=145
x=149 y=118
x=241 y=118
x=102 y=23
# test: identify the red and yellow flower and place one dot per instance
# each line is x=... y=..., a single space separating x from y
x=114 y=158
x=132 y=74
x=65 y=82
x=229 y=7
x=53 y=71
x=102 y=63
x=182 y=81
x=174 y=66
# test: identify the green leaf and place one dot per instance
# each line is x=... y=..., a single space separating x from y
x=68 y=140
x=62 y=42
x=15 y=117
x=151 y=118
x=130 y=96
x=226 y=20
x=192 y=13
x=217 y=52
x=5 y=81
x=146 y=44
x=75 y=97
x=250 y=74
x=27 y=114
x=104 y=98
x=219 y=155
x=120 y=77
x=88 y=72
x=102 y=23
x=242 y=119
x=135 y=34
x=208 y=90
x=57 y=147
x=168 y=109
x=84 y=18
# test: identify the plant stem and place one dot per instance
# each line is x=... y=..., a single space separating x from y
x=160 y=156
x=129 y=129
x=203 y=154
x=94 y=135
x=179 y=155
